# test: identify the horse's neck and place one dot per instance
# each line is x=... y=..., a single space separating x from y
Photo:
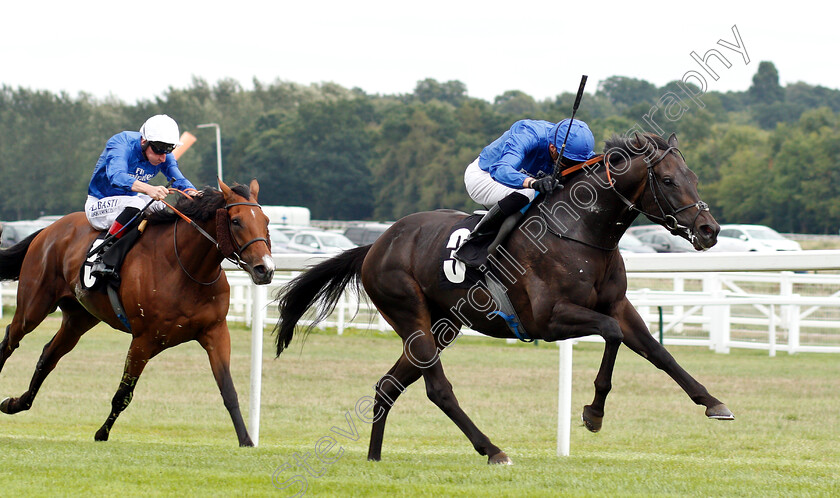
x=195 y=251
x=589 y=211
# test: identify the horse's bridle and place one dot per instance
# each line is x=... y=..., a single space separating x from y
x=238 y=250
x=669 y=221
x=234 y=257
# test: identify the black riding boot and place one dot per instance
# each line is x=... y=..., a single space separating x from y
x=497 y=222
x=125 y=233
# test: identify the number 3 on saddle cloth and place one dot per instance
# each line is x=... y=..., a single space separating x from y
x=455 y=274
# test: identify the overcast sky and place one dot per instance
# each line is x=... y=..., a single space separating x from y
x=136 y=50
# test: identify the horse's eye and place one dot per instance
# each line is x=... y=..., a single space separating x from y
x=235 y=222
x=667 y=181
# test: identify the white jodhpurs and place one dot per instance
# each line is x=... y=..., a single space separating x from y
x=486 y=191
x=101 y=213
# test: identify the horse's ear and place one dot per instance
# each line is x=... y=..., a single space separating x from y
x=641 y=143
x=255 y=188
x=672 y=140
x=224 y=188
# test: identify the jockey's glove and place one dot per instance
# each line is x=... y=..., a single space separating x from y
x=545 y=185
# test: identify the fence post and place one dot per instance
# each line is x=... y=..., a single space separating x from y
x=258 y=312
x=785 y=312
x=711 y=285
x=679 y=288
x=720 y=332
x=772 y=332
x=793 y=327
x=564 y=398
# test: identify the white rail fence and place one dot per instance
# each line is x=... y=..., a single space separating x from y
x=772 y=311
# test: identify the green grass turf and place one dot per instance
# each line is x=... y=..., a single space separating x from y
x=176 y=437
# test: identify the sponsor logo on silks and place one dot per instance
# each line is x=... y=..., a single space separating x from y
x=105 y=204
x=455 y=270
x=142 y=175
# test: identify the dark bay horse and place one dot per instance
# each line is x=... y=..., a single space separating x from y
x=173 y=290
x=563 y=272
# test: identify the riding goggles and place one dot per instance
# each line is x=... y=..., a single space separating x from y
x=161 y=147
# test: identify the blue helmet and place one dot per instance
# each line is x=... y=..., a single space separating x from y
x=581 y=142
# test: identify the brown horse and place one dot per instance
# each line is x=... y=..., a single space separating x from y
x=173 y=289
x=564 y=276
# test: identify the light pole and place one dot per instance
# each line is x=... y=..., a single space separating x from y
x=218 y=144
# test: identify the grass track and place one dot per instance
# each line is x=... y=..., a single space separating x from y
x=176 y=437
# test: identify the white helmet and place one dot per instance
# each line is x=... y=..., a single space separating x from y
x=161 y=128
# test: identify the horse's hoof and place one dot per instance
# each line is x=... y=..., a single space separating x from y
x=4 y=405
x=101 y=435
x=719 y=412
x=499 y=458
x=592 y=421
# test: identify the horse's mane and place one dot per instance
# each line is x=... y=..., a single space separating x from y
x=199 y=208
x=620 y=146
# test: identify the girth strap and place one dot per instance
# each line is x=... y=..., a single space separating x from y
x=506 y=310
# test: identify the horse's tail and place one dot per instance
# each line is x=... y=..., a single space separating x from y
x=11 y=259
x=323 y=283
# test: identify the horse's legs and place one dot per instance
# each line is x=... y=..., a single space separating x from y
x=423 y=350
x=402 y=303
x=140 y=352
x=637 y=337
x=75 y=322
x=217 y=344
x=388 y=389
x=569 y=321
x=33 y=305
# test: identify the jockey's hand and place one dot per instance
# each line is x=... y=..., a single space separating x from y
x=157 y=193
x=545 y=185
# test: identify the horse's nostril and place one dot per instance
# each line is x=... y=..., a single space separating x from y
x=707 y=231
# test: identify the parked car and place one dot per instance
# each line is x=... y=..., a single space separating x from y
x=365 y=233
x=15 y=231
x=279 y=241
x=663 y=241
x=760 y=238
x=638 y=230
x=631 y=243
x=289 y=230
x=319 y=242
x=730 y=244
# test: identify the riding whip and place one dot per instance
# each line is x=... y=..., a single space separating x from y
x=572 y=120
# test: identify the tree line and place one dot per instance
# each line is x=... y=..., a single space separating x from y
x=766 y=155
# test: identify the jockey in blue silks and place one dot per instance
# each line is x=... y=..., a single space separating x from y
x=509 y=172
x=119 y=187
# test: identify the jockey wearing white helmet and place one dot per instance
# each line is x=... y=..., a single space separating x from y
x=119 y=186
